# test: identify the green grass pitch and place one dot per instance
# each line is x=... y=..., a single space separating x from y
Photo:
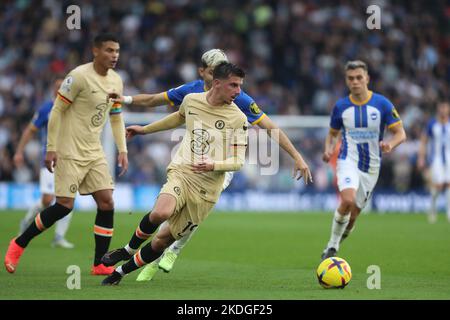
x=246 y=256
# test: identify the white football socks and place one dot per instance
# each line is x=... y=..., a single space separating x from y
x=432 y=214
x=33 y=211
x=180 y=243
x=338 y=227
x=346 y=234
x=62 y=226
x=130 y=250
x=119 y=270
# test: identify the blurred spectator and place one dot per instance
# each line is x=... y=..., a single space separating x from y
x=293 y=52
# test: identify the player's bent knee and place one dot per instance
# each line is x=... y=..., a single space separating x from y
x=106 y=204
x=348 y=202
x=159 y=216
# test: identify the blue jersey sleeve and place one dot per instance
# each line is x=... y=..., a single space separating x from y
x=430 y=128
x=249 y=107
x=40 y=118
x=336 y=118
x=176 y=95
x=391 y=116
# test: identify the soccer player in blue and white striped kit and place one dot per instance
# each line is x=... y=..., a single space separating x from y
x=437 y=134
x=361 y=118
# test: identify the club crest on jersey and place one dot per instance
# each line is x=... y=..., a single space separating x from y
x=348 y=180
x=177 y=190
x=254 y=108
x=73 y=188
x=220 y=124
x=373 y=116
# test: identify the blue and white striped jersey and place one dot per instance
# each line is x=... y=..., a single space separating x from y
x=362 y=127
x=439 y=137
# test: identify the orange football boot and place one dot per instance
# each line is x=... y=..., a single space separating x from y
x=102 y=270
x=12 y=256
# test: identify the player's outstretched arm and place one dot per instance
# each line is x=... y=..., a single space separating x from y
x=143 y=100
x=233 y=163
x=29 y=132
x=171 y=121
x=301 y=168
x=399 y=136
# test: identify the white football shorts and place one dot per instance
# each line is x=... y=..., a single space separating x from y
x=46 y=182
x=227 y=180
x=350 y=177
x=440 y=172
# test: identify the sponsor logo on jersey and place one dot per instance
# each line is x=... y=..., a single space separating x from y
x=98 y=118
x=200 y=141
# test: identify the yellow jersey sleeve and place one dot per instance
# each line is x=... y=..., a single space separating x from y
x=240 y=132
x=72 y=85
x=182 y=109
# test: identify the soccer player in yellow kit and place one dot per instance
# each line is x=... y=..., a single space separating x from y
x=214 y=143
x=246 y=104
x=75 y=153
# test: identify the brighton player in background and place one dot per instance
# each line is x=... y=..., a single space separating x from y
x=46 y=178
x=214 y=143
x=361 y=118
x=248 y=106
x=75 y=153
x=438 y=134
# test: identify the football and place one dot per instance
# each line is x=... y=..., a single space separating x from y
x=334 y=272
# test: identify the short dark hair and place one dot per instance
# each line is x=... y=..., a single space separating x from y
x=225 y=69
x=355 y=64
x=103 y=37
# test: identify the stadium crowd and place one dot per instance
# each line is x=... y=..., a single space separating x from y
x=293 y=53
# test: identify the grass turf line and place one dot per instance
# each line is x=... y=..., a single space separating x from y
x=245 y=256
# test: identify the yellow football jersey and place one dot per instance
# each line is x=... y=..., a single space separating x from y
x=210 y=132
x=85 y=93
